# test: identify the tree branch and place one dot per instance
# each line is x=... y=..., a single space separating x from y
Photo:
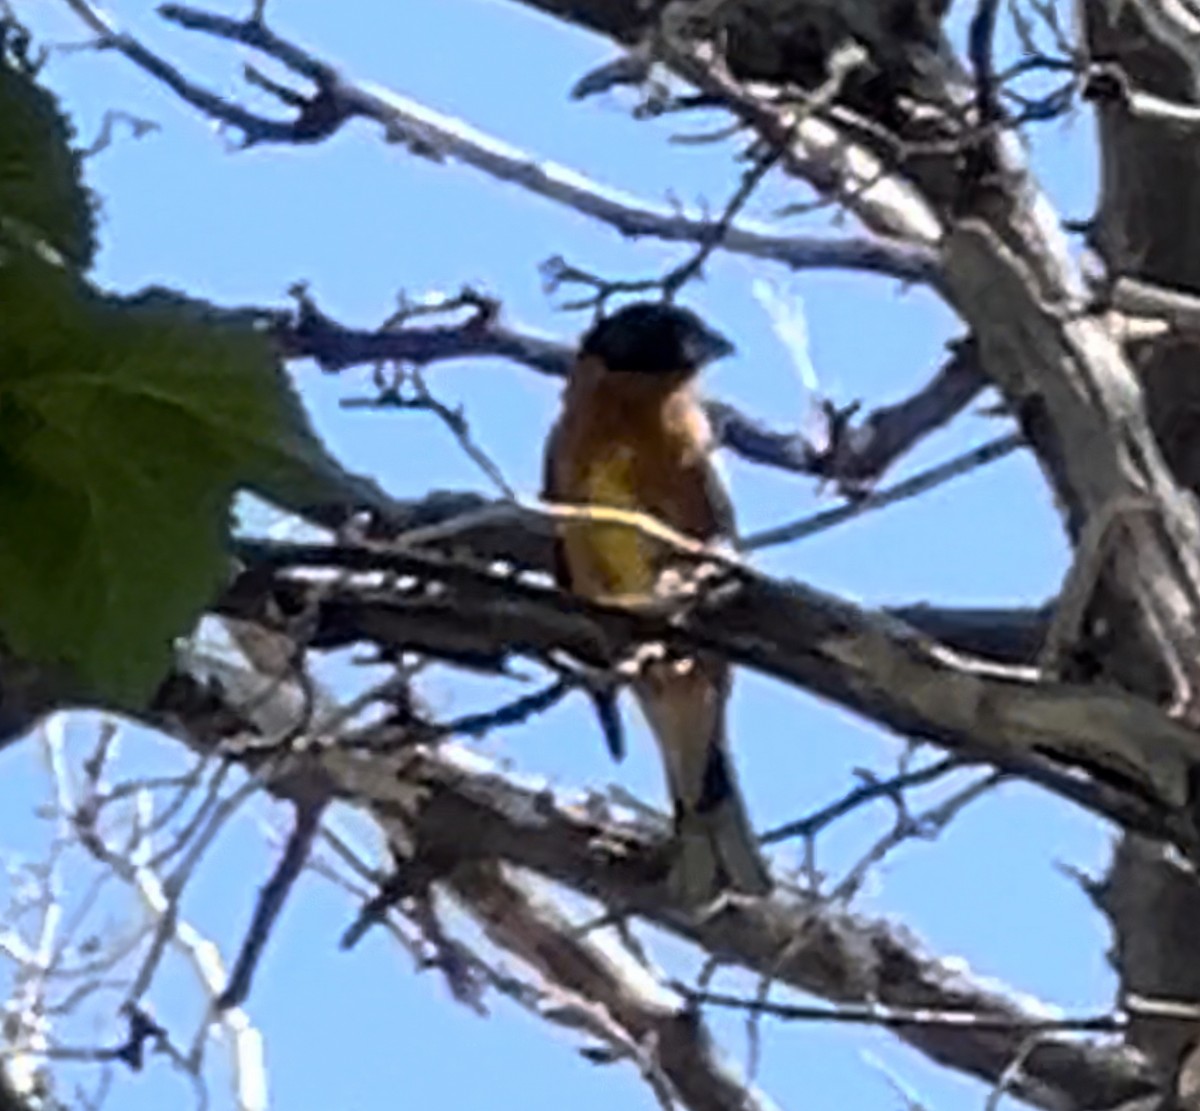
x=600 y=978
x=458 y=807
x=1134 y=759
x=440 y=138
x=1007 y=273
x=855 y=456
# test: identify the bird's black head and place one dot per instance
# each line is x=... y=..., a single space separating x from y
x=650 y=337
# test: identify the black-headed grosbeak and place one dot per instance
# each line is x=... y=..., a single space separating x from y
x=633 y=435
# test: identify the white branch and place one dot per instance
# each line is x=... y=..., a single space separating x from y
x=160 y=900
x=440 y=137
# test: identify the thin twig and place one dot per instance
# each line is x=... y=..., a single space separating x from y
x=919 y=483
x=925 y=826
x=897 y=1017
x=271 y=900
x=431 y=134
x=868 y=791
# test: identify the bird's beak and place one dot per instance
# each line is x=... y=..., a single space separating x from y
x=707 y=345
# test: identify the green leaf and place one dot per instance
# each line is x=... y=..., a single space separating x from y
x=125 y=429
x=282 y=459
x=41 y=188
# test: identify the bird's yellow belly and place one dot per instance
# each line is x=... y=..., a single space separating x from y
x=611 y=559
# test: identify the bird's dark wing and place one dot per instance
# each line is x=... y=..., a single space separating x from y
x=604 y=699
x=716 y=494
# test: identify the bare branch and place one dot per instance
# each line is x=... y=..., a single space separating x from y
x=391 y=396
x=980 y=49
x=1086 y=394
x=892 y=1018
x=456 y=804
x=901 y=150
x=819 y=152
x=662 y=1035
x=432 y=135
x=1110 y=85
x=919 y=483
x=1135 y=758
x=160 y=899
x=271 y=900
x=1008 y=274
x=1178 y=308
x=138 y=128
x=854 y=456
x=907 y=827
x=861 y=453
x=870 y=789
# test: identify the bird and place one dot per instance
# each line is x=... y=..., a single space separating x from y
x=632 y=434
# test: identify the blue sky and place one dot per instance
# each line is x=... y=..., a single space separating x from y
x=360 y=221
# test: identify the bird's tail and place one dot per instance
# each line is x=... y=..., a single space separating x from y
x=715 y=848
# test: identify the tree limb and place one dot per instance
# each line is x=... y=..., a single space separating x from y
x=1135 y=757
x=856 y=455
x=591 y=975
x=1008 y=274
x=456 y=805
x=441 y=138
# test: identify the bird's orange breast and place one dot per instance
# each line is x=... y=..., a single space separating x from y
x=631 y=442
